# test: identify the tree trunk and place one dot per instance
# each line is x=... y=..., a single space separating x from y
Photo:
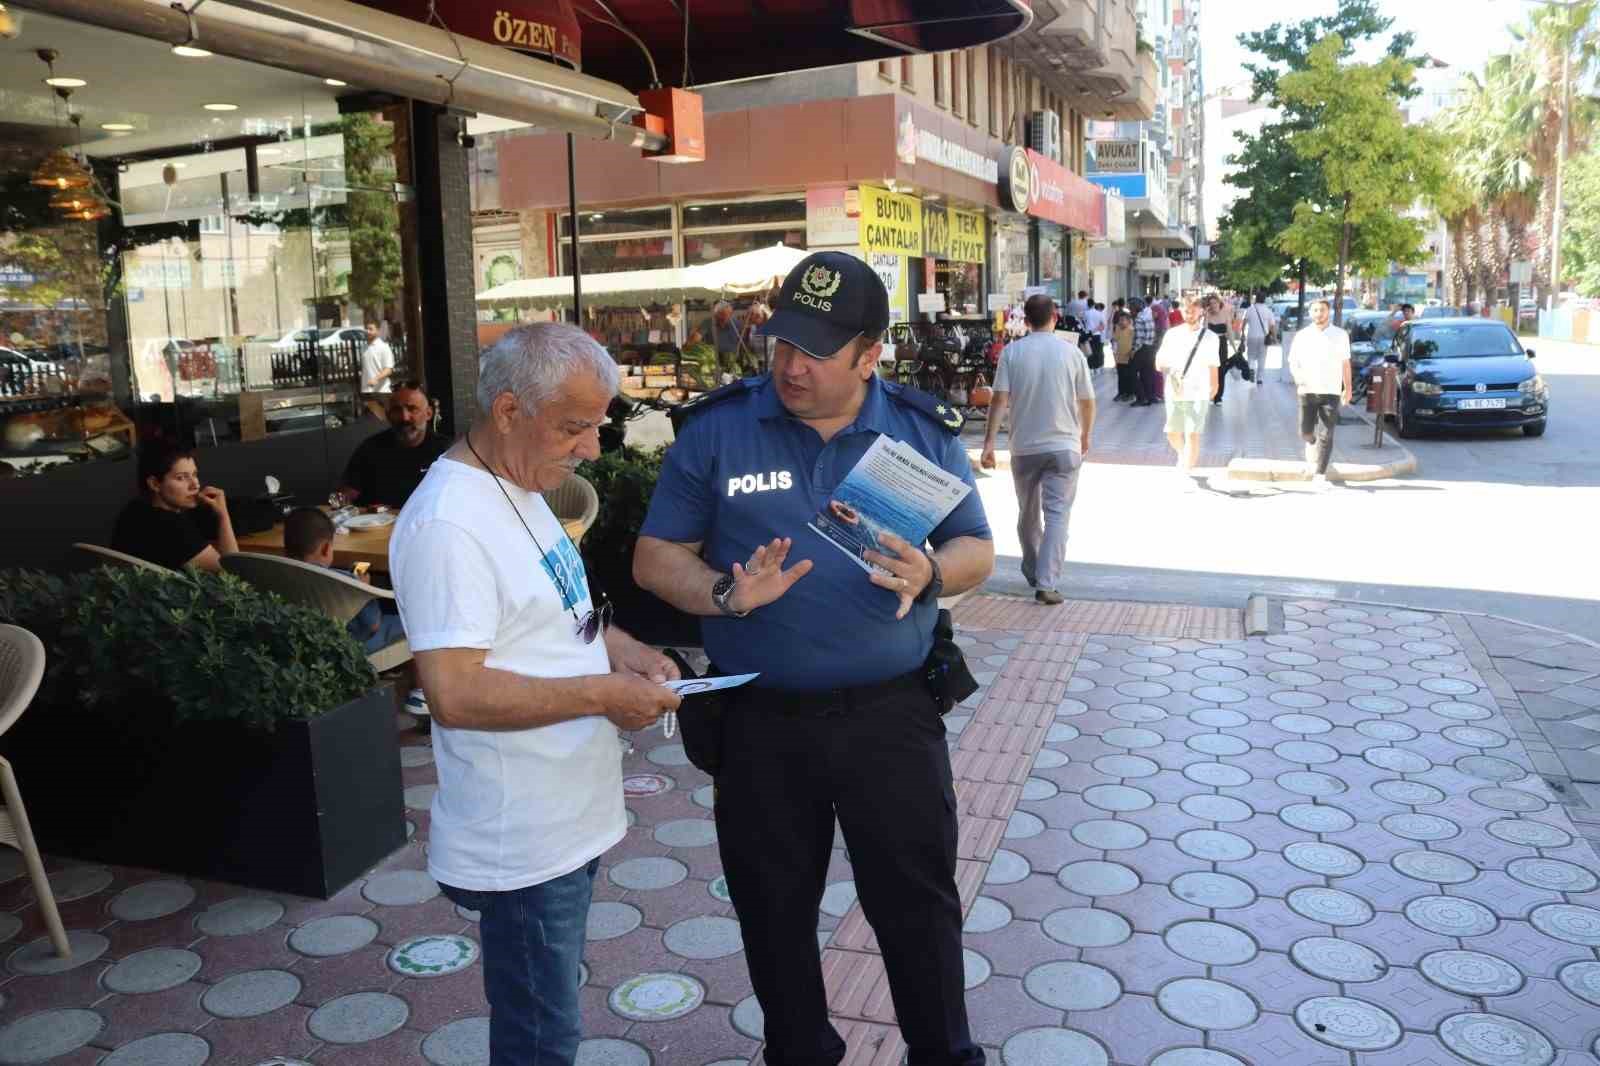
x=1344 y=257
x=1301 y=276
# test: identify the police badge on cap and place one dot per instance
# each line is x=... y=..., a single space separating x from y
x=827 y=301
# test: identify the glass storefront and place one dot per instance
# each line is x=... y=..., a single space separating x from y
x=190 y=249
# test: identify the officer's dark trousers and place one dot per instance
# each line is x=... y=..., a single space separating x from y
x=881 y=765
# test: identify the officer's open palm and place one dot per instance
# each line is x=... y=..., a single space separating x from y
x=763 y=579
x=632 y=702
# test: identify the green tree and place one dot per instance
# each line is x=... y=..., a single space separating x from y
x=1372 y=164
x=1580 y=238
x=373 y=214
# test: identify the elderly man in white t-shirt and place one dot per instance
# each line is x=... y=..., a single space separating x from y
x=526 y=684
x=1191 y=367
x=1320 y=361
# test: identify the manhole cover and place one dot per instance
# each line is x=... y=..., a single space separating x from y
x=1555 y=874
x=1206 y=1004
x=1331 y=906
x=1348 y=1023
x=1529 y=833
x=1316 y=818
x=1569 y=922
x=1337 y=960
x=657 y=997
x=1471 y=973
x=1492 y=1040
x=433 y=956
x=1440 y=867
x=1450 y=916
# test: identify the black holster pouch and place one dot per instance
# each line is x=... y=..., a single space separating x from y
x=946 y=667
x=700 y=720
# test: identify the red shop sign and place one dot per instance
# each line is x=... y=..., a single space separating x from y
x=1039 y=186
x=544 y=29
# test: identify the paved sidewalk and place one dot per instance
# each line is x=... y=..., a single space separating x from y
x=1254 y=435
x=1180 y=847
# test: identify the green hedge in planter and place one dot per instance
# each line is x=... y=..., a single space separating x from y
x=206 y=647
x=624 y=481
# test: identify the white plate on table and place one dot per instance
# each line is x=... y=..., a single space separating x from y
x=369 y=521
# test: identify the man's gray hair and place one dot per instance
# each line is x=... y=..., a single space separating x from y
x=721 y=305
x=532 y=363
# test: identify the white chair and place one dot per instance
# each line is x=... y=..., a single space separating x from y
x=574 y=500
x=336 y=595
x=111 y=557
x=21 y=670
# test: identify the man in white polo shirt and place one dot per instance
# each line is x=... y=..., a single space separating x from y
x=1320 y=362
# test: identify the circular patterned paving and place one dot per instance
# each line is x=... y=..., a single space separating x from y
x=1052 y=1045
x=1349 y=628
x=1072 y=985
x=239 y=916
x=1364 y=662
x=1338 y=960
x=1471 y=973
x=668 y=755
x=76 y=882
x=1307 y=752
x=38 y=958
x=358 y=1018
x=1206 y=1004
x=1492 y=1040
x=975 y=969
x=1303 y=701
x=1490 y=768
x=1142 y=668
x=48 y=1034
x=1378 y=704
x=1582 y=979
x=1461 y=712
x=1310 y=783
x=609 y=920
x=1440 y=867
x=400 y=888
x=1557 y=875
x=1316 y=818
x=152 y=970
x=339 y=934
x=1451 y=916
x=1118 y=798
x=1474 y=736
x=1217 y=718
x=1131 y=737
x=1006 y=868
x=1086 y=927
x=718 y=888
x=987 y=915
x=1423 y=827
x=655 y=871
x=1049 y=759
x=1348 y=1023
x=1303 y=724
x=657 y=997
x=1126 y=766
x=434 y=955
x=1569 y=922
x=1412 y=793
x=1219 y=694
x=705 y=937
x=1294 y=677
x=1371 y=682
x=1427 y=647
x=1529 y=833
x=1023 y=826
x=165 y=1049
x=1143 y=690
x=1220 y=674
x=748 y=1018
x=249 y=994
x=1292 y=658
x=687 y=833
x=1070 y=707
x=1380 y=729
x=1217 y=744
x=1039 y=788
x=1285 y=640
x=1508 y=799
x=638 y=786
x=463 y=1042
x=1215 y=845
x=1137 y=712
x=1216 y=774
x=1107 y=834
x=1213 y=890
x=413 y=755
x=705 y=796
x=1448 y=686
x=1211 y=943
x=419 y=797
x=1216 y=808
x=1194 y=1056
x=610 y=1051
x=1419 y=632
x=153 y=899
x=1397 y=760
x=1330 y=906
x=1061 y=732
x=1093 y=877
x=838 y=898
x=1329 y=860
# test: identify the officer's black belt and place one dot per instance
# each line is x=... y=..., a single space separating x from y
x=826 y=702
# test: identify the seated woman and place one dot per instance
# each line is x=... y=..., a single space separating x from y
x=175 y=522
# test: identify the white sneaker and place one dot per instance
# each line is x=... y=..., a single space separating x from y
x=1319 y=483
x=417 y=703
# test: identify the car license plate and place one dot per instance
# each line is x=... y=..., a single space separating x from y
x=1487 y=404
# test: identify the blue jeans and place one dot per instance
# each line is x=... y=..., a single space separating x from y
x=532 y=946
x=389 y=627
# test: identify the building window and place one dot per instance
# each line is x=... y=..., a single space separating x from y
x=938 y=81
x=972 y=88
x=957 y=83
x=1005 y=99
x=907 y=82
x=886 y=69
x=992 y=71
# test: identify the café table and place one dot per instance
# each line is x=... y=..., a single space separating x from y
x=370 y=546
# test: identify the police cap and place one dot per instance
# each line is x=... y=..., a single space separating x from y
x=829 y=299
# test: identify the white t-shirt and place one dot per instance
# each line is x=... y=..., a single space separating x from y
x=514 y=808
x=1096 y=321
x=1258 y=322
x=377 y=357
x=1317 y=360
x=1044 y=378
x=1174 y=352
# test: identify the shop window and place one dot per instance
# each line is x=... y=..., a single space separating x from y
x=1006 y=118
x=610 y=256
x=957 y=84
x=992 y=69
x=710 y=247
x=886 y=69
x=907 y=80
x=972 y=88
x=938 y=82
x=745 y=212
x=601 y=222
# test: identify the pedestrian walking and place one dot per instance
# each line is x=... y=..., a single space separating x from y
x=1079 y=308
x=1144 y=353
x=843 y=721
x=526 y=684
x=1260 y=326
x=1190 y=367
x=377 y=361
x=1217 y=318
x=1320 y=360
x=1045 y=385
x=1095 y=323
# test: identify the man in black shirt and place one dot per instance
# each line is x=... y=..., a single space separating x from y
x=175 y=522
x=386 y=469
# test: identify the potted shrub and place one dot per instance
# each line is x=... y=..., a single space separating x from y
x=196 y=725
x=625 y=481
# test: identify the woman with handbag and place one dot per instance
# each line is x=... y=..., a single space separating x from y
x=1260 y=329
x=1217 y=317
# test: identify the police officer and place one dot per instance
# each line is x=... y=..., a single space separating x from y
x=841 y=722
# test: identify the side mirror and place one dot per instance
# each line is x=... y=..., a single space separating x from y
x=1528 y=352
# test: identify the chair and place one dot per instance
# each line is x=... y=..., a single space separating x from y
x=21 y=670
x=336 y=595
x=575 y=500
x=111 y=557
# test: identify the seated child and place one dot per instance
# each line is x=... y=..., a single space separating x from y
x=308 y=537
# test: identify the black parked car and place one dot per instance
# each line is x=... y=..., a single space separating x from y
x=1467 y=373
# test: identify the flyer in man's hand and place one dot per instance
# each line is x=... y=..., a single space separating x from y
x=891 y=489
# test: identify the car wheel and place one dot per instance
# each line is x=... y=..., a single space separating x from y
x=1401 y=425
x=1533 y=429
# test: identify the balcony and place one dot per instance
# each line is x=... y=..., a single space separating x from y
x=1076 y=32
x=1085 y=50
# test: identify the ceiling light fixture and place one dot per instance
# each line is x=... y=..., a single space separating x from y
x=221 y=107
x=335 y=82
x=116 y=127
x=65 y=83
x=189 y=51
x=189 y=47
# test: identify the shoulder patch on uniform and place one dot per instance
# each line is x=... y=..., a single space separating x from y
x=681 y=414
x=946 y=414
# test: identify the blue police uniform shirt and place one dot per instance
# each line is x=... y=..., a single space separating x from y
x=745 y=471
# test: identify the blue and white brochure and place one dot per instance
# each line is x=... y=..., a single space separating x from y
x=894 y=489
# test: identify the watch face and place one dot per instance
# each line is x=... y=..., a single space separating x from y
x=723 y=586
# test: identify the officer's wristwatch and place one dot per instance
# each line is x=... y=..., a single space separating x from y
x=721 y=592
x=935 y=586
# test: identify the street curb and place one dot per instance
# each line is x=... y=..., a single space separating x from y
x=1290 y=470
x=1257 y=616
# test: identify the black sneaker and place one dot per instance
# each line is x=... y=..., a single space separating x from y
x=1049 y=597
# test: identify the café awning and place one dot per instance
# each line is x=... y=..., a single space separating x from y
x=737 y=275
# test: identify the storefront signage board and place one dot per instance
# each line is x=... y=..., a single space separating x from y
x=932 y=148
x=891 y=270
x=1036 y=185
x=930 y=302
x=949 y=233
x=890 y=222
x=1116 y=157
x=545 y=29
x=833 y=216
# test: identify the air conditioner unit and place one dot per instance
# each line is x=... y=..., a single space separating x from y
x=1044 y=134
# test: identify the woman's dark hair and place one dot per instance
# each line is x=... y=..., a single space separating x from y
x=156 y=460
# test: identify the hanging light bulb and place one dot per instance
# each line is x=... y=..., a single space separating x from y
x=60 y=171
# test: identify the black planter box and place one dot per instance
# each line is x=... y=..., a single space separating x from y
x=306 y=809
